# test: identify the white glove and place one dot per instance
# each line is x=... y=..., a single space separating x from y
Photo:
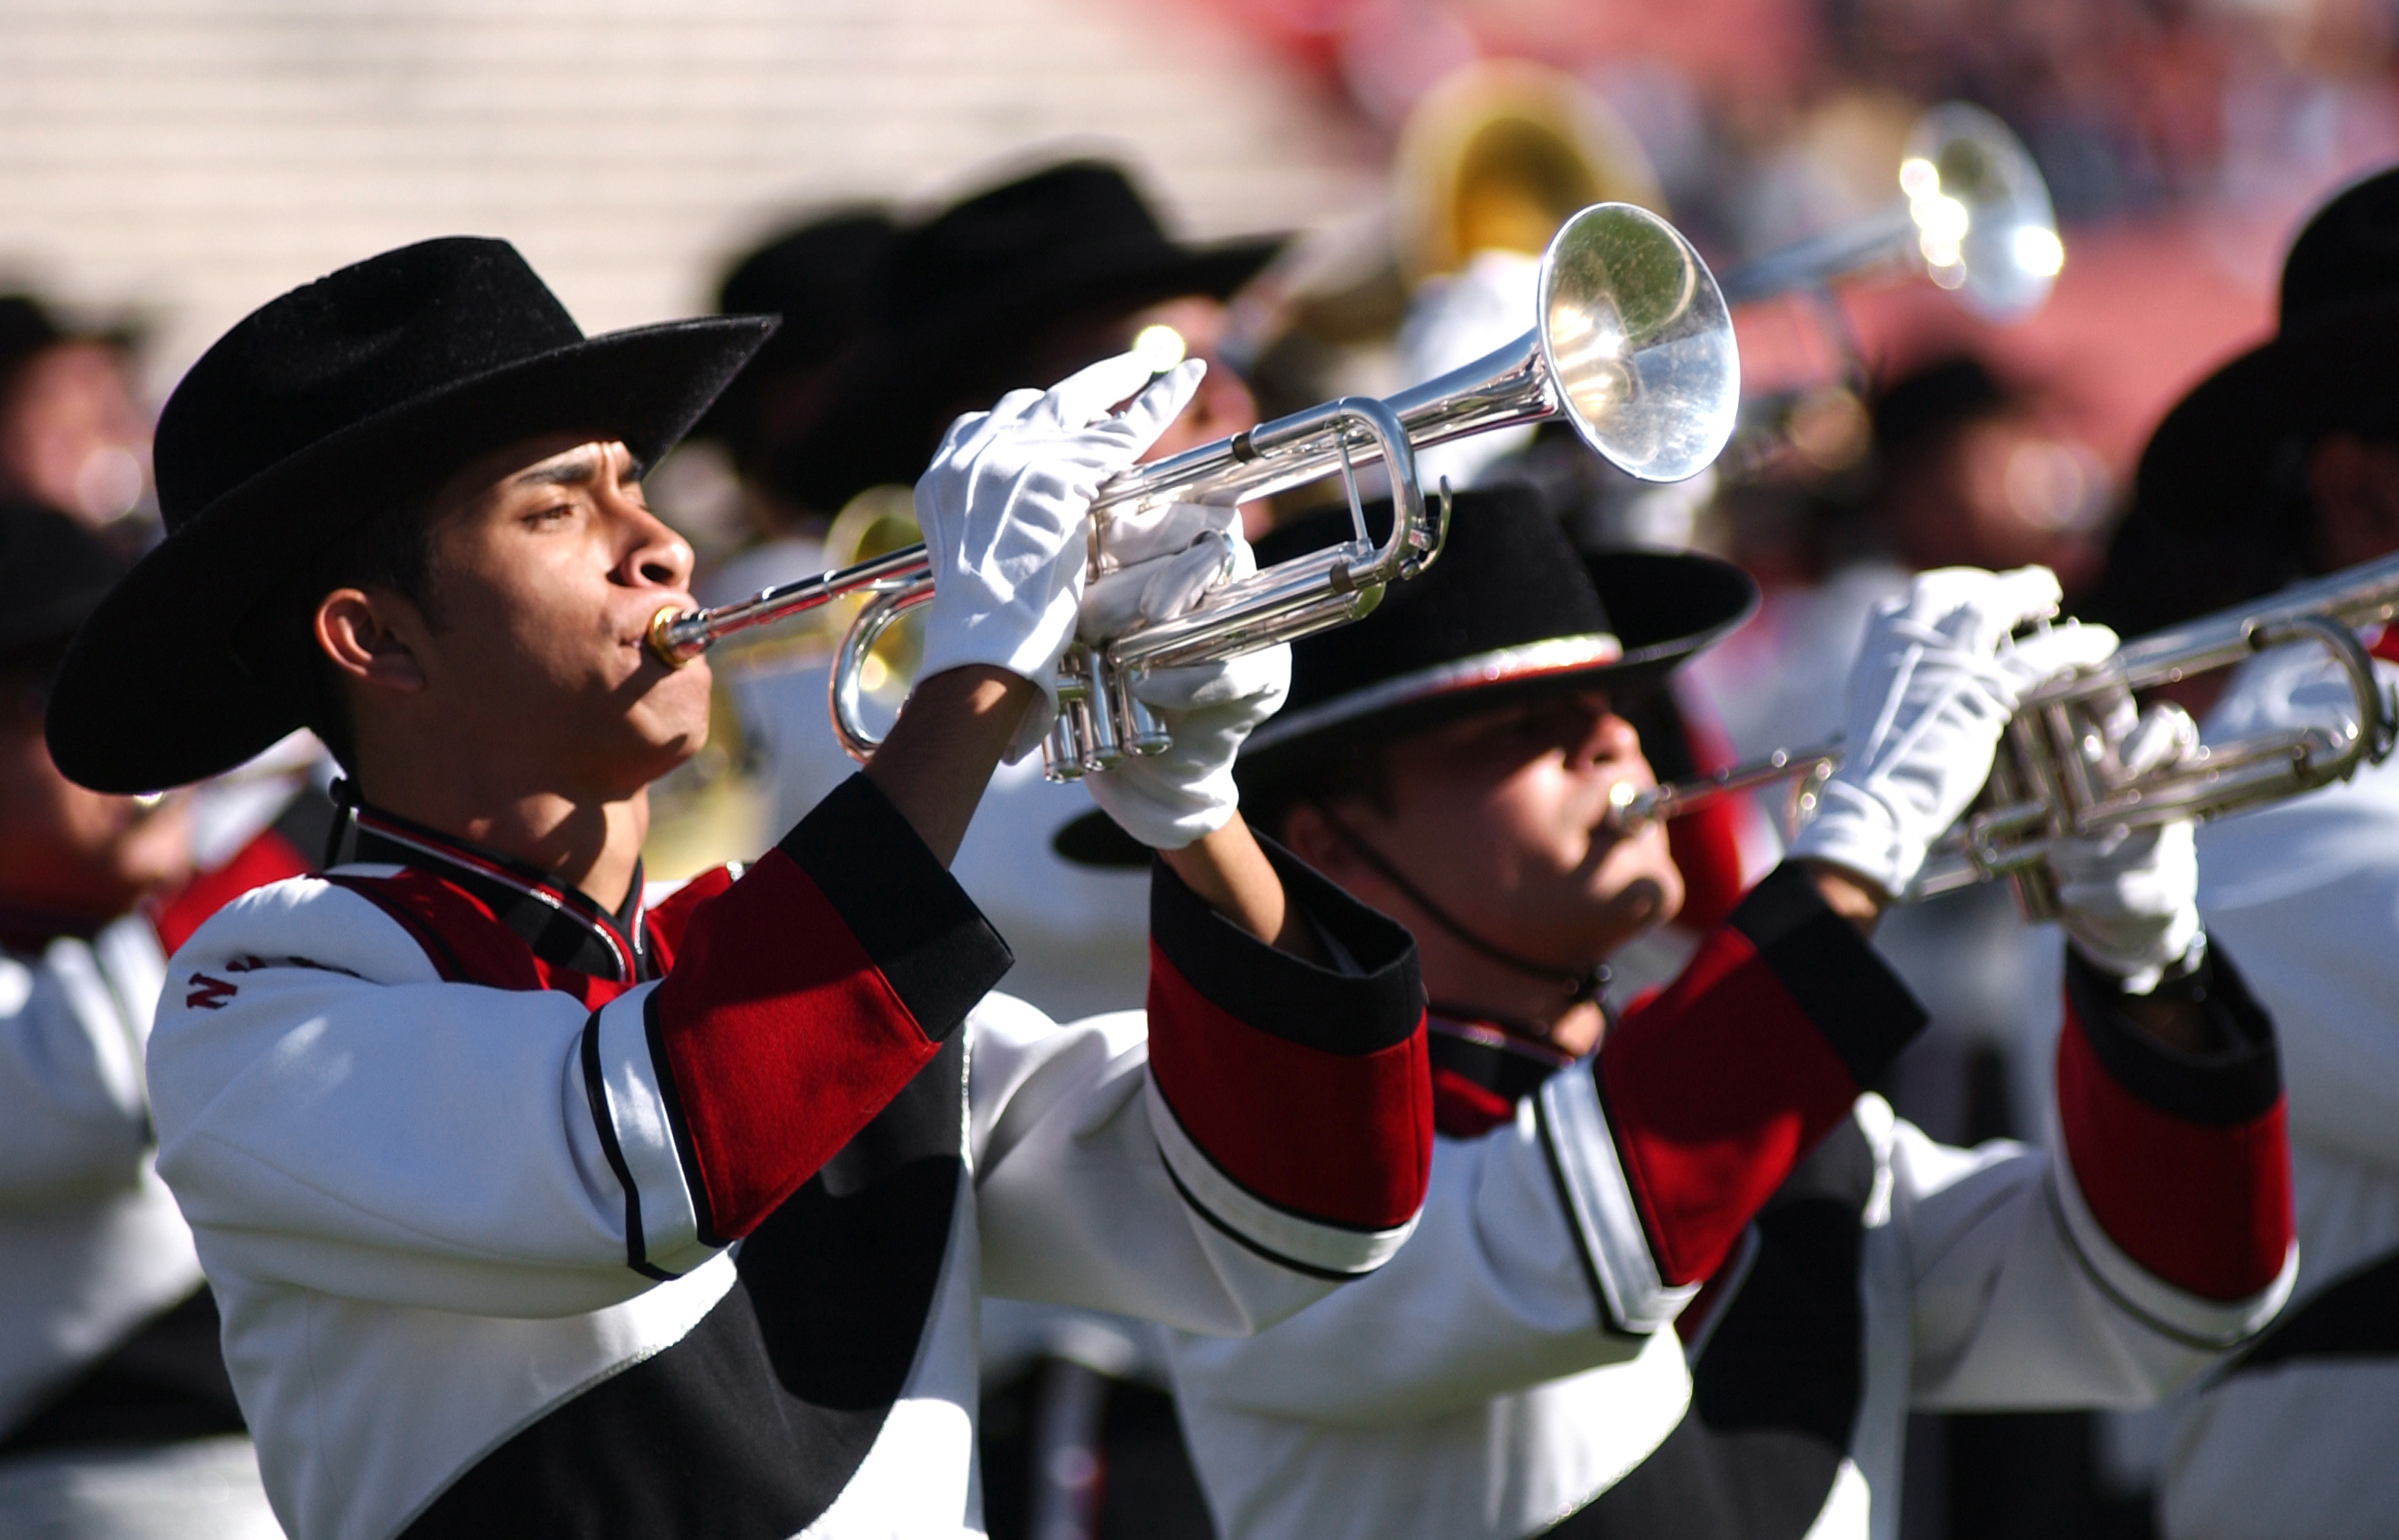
x=1169 y=800
x=1005 y=506
x=1935 y=681
x=2131 y=897
x=1156 y=564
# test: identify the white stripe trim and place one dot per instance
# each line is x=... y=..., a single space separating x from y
x=1601 y=1200
x=2167 y=1309
x=637 y=1109
x=1556 y=655
x=1277 y=1231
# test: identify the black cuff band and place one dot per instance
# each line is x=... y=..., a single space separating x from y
x=1843 y=985
x=1306 y=1003
x=2236 y=1083
x=930 y=942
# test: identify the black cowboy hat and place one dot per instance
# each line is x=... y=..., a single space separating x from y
x=27 y=326
x=53 y=573
x=969 y=292
x=318 y=410
x=1509 y=611
x=2332 y=363
x=823 y=280
x=2219 y=512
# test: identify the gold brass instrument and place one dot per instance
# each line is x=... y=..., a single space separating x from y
x=1973 y=216
x=2059 y=774
x=1498 y=155
x=1632 y=345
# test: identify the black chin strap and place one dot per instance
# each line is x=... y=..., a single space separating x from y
x=345 y=795
x=1588 y=985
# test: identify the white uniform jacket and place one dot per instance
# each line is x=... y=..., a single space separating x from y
x=106 y=1333
x=2300 y=1434
x=1513 y=1362
x=527 y=1220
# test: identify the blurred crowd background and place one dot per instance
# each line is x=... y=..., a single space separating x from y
x=170 y=163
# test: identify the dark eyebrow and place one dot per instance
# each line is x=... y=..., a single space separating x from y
x=580 y=469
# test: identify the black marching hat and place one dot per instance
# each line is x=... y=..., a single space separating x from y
x=1509 y=611
x=823 y=280
x=320 y=410
x=2332 y=363
x=53 y=573
x=972 y=290
x=2220 y=514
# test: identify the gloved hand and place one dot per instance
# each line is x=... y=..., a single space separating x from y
x=1156 y=564
x=1169 y=800
x=1935 y=681
x=1004 y=508
x=2130 y=899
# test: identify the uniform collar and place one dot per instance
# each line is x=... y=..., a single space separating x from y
x=1507 y=1058
x=562 y=925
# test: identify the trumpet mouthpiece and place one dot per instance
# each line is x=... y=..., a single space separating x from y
x=670 y=649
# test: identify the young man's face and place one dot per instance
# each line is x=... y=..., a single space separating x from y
x=547 y=568
x=1501 y=818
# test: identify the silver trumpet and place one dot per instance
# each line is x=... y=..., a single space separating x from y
x=2059 y=773
x=1973 y=216
x=1632 y=345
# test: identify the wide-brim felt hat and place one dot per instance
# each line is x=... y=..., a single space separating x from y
x=823 y=279
x=327 y=406
x=1510 y=611
x=2333 y=361
x=971 y=290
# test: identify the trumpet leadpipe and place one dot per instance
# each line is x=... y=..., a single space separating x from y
x=1632 y=808
x=677 y=635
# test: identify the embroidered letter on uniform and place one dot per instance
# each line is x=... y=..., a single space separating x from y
x=209 y=994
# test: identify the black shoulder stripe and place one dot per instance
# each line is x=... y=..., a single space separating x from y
x=925 y=936
x=1847 y=991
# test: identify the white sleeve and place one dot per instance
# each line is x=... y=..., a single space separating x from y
x=2304 y=894
x=2010 y=1307
x=72 y=1028
x=1076 y=1203
x=1493 y=1293
x=332 y=1114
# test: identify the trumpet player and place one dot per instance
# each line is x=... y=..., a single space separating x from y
x=2285 y=463
x=1704 y=1177
x=468 y=1131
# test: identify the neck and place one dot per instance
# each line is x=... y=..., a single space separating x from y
x=1460 y=979
x=1506 y=1001
x=592 y=846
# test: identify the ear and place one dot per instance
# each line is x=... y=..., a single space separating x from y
x=366 y=635
x=1307 y=834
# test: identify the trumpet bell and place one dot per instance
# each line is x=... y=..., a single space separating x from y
x=1984 y=227
x=1637 y=342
